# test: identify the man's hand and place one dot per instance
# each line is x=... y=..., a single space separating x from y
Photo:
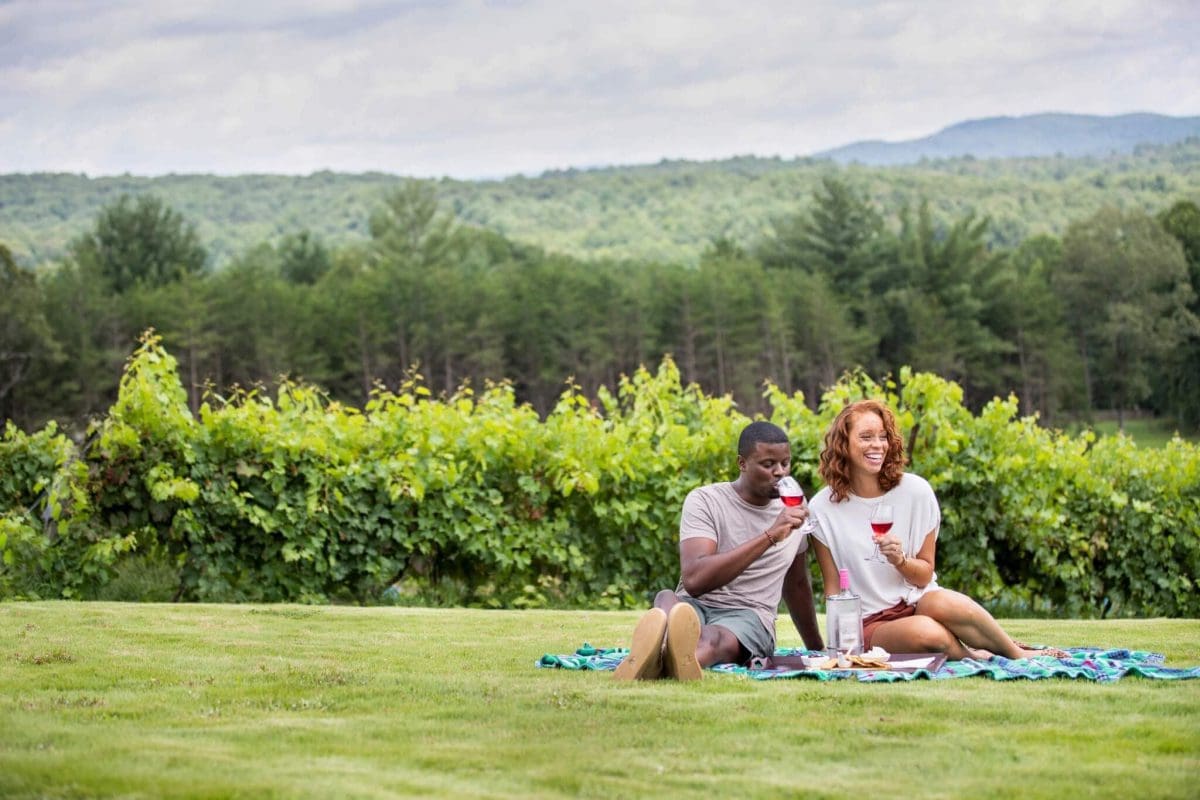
x=789 y=519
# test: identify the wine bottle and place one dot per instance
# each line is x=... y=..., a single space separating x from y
x=843 y=618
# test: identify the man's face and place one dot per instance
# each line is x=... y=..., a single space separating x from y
x=763 y=468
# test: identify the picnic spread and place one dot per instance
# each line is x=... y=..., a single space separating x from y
x=1082 y=663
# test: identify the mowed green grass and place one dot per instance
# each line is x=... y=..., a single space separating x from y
x=1146 y=431
x=107 y=699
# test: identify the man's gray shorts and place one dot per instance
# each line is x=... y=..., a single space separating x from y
x=742 y=622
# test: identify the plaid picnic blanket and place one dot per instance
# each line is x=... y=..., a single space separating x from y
x=1088 y=663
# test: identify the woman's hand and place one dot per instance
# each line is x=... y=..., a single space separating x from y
x=891 y=549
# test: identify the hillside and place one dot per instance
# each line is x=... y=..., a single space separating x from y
x=668 y=211
x=1071 y=135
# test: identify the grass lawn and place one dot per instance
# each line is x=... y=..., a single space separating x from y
x=108 y=699
x=1146 y=431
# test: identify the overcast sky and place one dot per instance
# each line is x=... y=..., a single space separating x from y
x=488 y=89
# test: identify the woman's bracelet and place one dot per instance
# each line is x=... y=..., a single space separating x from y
x=770 y=538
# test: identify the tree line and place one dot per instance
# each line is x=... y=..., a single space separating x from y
x=1106 y=316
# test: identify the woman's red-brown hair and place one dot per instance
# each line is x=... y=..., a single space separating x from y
x=835 y=457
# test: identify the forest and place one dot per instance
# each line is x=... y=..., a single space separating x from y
x=956 y=268
x=669 y=211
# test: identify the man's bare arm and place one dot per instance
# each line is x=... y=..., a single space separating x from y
x=703 y=569
x=797 y=594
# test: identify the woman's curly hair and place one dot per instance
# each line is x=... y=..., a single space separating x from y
x=835 y=457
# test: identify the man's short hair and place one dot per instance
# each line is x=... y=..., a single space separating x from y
x=760 y=431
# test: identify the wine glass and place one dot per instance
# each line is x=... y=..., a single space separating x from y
x=792 y=495
x=881 y=522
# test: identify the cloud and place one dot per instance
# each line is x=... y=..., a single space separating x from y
x=481 y=88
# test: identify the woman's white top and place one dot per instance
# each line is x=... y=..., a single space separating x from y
x=845 y=528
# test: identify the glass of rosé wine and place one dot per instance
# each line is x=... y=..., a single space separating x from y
x=881 y=523
x=792 y=495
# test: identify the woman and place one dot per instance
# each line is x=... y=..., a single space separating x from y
x=904 y=610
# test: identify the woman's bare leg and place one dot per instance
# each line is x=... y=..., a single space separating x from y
x=971 y=623
x=920 y=634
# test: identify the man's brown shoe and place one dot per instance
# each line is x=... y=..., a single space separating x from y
x=645 y=653
x=683 y=634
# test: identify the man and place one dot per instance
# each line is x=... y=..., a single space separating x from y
x=739 y=553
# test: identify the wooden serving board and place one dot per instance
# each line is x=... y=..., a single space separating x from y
x=796 y=662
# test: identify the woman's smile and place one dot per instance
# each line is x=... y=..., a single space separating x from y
x=868 y=442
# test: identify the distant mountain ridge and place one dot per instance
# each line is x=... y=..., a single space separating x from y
x=1071 y=135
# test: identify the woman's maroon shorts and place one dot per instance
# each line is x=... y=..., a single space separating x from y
x=873 y=621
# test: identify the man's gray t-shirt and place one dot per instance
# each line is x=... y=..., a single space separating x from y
x=716 y=512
